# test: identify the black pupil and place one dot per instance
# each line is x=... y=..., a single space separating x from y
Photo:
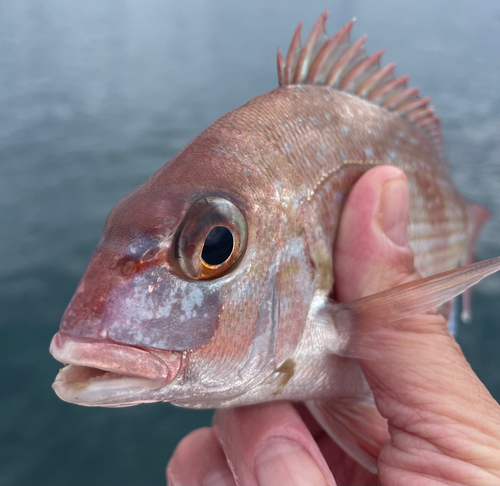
x=218 y=246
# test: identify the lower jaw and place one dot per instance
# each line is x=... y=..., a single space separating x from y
x=92 y=387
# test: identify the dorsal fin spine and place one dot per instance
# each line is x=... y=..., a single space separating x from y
x=346 y=60
x=376 y=80
x=379 y=95
x=404 y=109
x=345 y=67
x=416 y=115
x=329 y=54
x=393 y=102
x=317 y=38
x=361 y=72
x=426 y=121
x=293 y=55
x=281 y=68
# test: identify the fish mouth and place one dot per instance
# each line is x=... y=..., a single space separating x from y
x=105 y=373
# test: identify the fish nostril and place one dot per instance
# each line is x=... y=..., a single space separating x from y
x=128 y=268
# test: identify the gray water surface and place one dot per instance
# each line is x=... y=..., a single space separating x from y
x=95 y=96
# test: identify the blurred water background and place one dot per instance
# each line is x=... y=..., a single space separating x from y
x=95 y=96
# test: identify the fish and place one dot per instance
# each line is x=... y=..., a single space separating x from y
x=211 y=285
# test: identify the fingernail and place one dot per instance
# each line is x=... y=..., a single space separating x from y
x=394 y=211
x=283 y=462
x=219 y=476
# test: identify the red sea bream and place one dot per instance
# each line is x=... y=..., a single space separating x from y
x=212 y=285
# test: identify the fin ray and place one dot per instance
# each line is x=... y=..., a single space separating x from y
x=376 y=80
x=422 y=295
x=406 y=95
x=292 y=57
x=317 y=38
x=329 y=55
x=355 y=425
x=361 y=72
x=281 y=67
x=421 y=113
x=349 y=58
x=413 y=106
x=412 y=298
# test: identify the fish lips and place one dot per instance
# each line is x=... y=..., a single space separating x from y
x=100 y=370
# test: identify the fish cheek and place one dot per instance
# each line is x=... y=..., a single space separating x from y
x=158 y=310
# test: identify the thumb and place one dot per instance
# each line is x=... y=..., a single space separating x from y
x=442 y=420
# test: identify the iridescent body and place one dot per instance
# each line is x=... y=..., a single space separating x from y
x=276 y=172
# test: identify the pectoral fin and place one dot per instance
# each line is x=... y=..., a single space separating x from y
x=355 y=425
x=409 y=299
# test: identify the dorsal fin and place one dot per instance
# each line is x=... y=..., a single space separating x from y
x=344 y=66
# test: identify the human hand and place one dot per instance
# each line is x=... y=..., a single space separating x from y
x=443 y=423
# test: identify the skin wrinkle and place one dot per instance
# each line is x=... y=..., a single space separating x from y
x=418 y=455
x=478 y=455
x=409 y=477
x=445 y=428
x=447 y=407
x=442 y=437
x=440 y=433
x=448 y=403
x=415 y=457
x=422 y=461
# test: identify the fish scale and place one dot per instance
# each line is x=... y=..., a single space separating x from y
x=317 y=131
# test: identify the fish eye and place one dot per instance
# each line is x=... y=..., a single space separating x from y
x=218 y=246
x=211 y=239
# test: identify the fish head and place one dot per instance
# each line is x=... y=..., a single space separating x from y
x=181 y=299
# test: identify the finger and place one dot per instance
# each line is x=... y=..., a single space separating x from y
x=421 y=381
x=367 y=257
x=199 y=460
x=269 y=445
x=314 y=428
